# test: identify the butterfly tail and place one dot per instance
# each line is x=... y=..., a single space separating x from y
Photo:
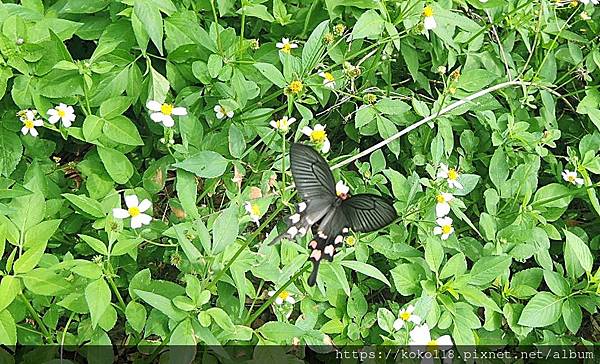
x=312 y=279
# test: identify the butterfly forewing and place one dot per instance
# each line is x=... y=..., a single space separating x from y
x=368 y=212
x=311 y=172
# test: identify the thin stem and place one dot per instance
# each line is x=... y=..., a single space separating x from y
x=269 y=302
x=36 y=318
x=443 y=111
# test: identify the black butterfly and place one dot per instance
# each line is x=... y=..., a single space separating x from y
x=334 y=213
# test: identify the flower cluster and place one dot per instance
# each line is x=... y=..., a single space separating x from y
x=443 y=199
x=30 y=118
x=318 y=136
x=572 y=178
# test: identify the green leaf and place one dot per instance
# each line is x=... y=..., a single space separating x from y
x=487 y=269
x=86 y=204
x=45 y=282
x=225 y=229
x=366 y=269
x=191 y=252
x=11 y=151
x=455 y=266
x=92 y=127
x=498 y=168
x=8 y=329
x=10 y=287
x=407 y=278
x=578 y=258
x=221 y=318
x=477 y=298
x=237 y=144
x=314 y=46
x=40 y=233
x=357 y=304
x=30 y=258
x=543 y=309
x=124 y=246
x=97 y=296
x=136 y=315
x=122 y=130
x=117 y=164
x=187 y=191
x=150 y=18
x=280 y=332
x=475 y=80
x=557 y=284
x=369 y=25
x=271 y=73
x=434 y=254
x=571 y=313
x=205 y=164
x=161 y=303
x=259 y=11
x=114 y=106
x=385 y=319
x=95 y=244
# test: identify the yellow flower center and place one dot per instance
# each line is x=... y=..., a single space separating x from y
x=134 y=211
x=571 y=178
x=405 y=315
x=284 y=295
x=61 y=113
x=29 y=124
x=287 y=48
x=255 y=210
x=574 y=3
x=432 y=344
x=452 y=174
x=328 y=76
x=351 y=240
x=452 y=90
x=447 y=229
x=318 y=136
x=440 y=199
x=428 y=11
x=296 y=86
x=166 y=109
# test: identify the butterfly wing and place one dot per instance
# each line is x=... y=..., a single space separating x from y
x=367 y=212
x=311 y=172
x=327 y=238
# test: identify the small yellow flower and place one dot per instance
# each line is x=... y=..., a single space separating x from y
x=286 y=46
x=444 y=228
x=339 y=29
x=451 y=175
x=428 y=21
x=318 y=136
x=283 y=297
x=328 y=38
x=370 y=98
x=350 y=240
x=254 y=212
x=295 y=87
x=328 y=79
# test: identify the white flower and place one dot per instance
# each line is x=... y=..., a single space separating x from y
x=444 y=227
x=406 y=315
x=221 y=112
x=451 y=175
x=286 y=46
x=254 y=212
x=585 y=16
x=341 y=189
x=62 y=112
x=420 y=336
x=442 y=207
x=283 y=124
x=135 y=211
x=572 y=177
x=328 y=79
x=428 y=21
x=585 y=2
x=162 y=112
x=30 y=121
x=318 y=136
x=282 y=297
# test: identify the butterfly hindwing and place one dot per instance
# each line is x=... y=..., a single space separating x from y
x=368 y=212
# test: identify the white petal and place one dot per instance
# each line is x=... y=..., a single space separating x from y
x=293 y=45
x=442 y=209
x=279 y=301
x=290 y=300
x=445 y=236
x=285 y=40
x=67 y=123
x=144 y=219
x=24 y=130
x=131 y=201
x=445 y=342
x=414 y=319
x=437 y=230
x=154 y=105
x=179 y=111
x=420 y=335
x=53 y=119
x=220 y=115
x=52 y=112
x=341 y=188
x=70 y=109
x=307 y=131
x=120 y=213
x=410 y=309
x=319 y=127
x=168 y=121
x=33 y=132
x=230 y=114
x=273 y=124
x=145 y=205
x=455 y=184
x=157 y=117
x=291 y=121
x=38 y=122
x=136 y=222
x=579 y=181
x=218 y=108
x=271 y=293
x=398 y=324
x=326 y=146
x=429 y=23
x=279 y=45
x=322 y=74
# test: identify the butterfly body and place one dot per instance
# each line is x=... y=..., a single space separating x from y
x=327 y=209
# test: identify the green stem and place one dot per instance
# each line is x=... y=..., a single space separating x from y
x=269 y=302
x=36 y=318
x=113 y=286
